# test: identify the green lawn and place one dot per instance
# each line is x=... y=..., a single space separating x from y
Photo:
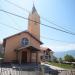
x=66 y=66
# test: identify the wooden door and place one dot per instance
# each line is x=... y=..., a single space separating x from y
x=24 y=57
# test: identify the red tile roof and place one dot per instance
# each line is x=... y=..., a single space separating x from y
x=45 y=48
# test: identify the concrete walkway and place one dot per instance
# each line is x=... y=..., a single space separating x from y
x=53 y=67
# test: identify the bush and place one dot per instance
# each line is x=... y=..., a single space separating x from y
x=55 y=60
x=60 y=60
x=69 y=58
x=73 y=65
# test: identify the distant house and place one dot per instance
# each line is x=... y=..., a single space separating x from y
x=46 y=54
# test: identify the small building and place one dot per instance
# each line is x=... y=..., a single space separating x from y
x=46 y=54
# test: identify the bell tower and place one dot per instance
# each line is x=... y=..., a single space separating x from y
x=34 y=27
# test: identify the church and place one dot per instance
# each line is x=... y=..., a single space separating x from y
x=24 y=47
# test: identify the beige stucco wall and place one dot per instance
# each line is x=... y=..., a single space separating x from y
x=33 y=27
x=15 y=42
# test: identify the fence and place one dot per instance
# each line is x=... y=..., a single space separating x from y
x=32 y=70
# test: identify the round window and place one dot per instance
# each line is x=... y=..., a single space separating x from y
x=24 y=41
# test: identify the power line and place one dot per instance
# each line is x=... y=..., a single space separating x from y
x=41 y=17
x=41 y=36
x=9 y=26
x=56 y=24
x=38 y=22
x=55 y=40
x=12 y=21
x=17 y=6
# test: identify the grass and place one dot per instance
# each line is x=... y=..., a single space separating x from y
x=66 y=66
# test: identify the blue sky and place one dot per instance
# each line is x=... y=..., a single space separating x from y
x=60 y=12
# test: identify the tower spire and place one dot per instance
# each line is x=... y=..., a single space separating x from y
x=34 y=2
x=33 y=9
x=34 y=27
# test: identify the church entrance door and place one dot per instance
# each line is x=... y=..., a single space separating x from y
x=24 y=57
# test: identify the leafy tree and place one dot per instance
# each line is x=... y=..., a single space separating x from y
x=55 y=59
x=69 y=58
x=60 y=60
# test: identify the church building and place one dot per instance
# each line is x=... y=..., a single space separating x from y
x=24 y=47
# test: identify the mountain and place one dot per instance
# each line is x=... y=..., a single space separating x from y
x=63 y=53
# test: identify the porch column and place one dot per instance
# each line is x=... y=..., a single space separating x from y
x=20 y=57
x=30 y=56
x=16 y=56
x=36 y=56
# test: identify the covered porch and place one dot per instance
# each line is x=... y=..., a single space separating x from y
x=28 y=54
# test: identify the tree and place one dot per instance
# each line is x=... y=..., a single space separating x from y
x=60 y=60
x=55 y=59
x=69 y=58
